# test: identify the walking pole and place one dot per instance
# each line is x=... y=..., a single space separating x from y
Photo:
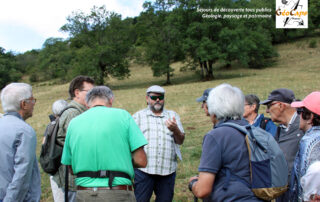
x=66 y=188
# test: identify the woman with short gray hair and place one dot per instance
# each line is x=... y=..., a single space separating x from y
x=224 y=150
x=226 y=102
x=58 y=106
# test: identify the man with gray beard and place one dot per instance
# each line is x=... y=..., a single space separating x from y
x=164 y=132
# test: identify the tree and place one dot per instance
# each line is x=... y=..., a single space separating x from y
x=8 y=68
x=27 y=60
x=201 y=39
x=54 y=60
x=158 y=29
x=101 y=42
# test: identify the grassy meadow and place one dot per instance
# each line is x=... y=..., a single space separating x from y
x=297 y=68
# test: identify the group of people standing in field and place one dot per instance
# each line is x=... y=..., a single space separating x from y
x=113 y=156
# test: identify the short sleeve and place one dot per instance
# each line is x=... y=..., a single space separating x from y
x=136 y=138
x=210 y=160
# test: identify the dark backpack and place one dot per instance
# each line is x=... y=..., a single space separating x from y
x=268 y=166
x=51 y=150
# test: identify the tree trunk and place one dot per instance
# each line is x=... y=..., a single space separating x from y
x=205 y=65
x=210 y=69
x=100 y=78
x=168 y=77
x=205 y=68
x=202 y=71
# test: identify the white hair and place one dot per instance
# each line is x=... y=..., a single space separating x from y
x=102 y=92
x=13 y=94
x=226 y=102
x=58 y=106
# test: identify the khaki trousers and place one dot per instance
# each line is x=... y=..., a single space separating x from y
x=105 y=195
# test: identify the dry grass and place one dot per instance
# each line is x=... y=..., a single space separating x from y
x=297 y=68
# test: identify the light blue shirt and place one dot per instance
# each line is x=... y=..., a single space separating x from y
x=19 y=172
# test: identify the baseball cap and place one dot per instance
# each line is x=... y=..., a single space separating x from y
x=311 y=102
x=155 y=89
x=281 y=94
x=204 y=96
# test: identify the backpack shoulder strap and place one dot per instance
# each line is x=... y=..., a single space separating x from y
x=245 y=130
x=277 y=136
x=263 y=123
x=66 y=108
x=242 y=129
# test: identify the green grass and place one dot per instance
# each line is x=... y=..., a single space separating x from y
x=296 y=68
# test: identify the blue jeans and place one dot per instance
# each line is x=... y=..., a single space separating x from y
x=145 y=184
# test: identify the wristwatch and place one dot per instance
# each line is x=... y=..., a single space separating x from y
x=191 y=183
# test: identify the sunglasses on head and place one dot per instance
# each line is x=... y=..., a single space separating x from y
x=154 y=97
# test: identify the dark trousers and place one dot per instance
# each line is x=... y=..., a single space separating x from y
x=145 y=184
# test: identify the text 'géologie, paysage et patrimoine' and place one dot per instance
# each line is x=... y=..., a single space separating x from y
x=235 y=13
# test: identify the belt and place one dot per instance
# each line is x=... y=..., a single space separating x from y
x=119 y=187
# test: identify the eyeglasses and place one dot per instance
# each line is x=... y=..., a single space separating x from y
x=32 y=100
x=154 y=97
x=270 y=104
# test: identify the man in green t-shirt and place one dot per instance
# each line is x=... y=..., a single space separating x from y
x=102 y=146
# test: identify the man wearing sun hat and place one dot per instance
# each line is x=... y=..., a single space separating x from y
x=309 y=146
x=164 y=132
x=288 y=133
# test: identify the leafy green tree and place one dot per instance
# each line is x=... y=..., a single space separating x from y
x=314 y=14
x=201 y=42
x=27 y=61
x=208 y=41
x=54 y=60
x=8 y=68
x=101 y=42
x=159 y=33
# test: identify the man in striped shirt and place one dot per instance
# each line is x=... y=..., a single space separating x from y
x=164 y=132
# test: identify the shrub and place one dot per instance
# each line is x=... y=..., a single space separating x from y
x=313 y=43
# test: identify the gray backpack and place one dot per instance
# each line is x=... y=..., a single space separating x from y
x=268 y=166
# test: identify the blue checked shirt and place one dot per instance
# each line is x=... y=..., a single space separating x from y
x=161 y=149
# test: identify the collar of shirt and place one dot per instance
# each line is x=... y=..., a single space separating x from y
x=255 y=120
x=290 y=122
x=78 y=105
x=16 y=114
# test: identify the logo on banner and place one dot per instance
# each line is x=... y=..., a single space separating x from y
x=291 y=14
